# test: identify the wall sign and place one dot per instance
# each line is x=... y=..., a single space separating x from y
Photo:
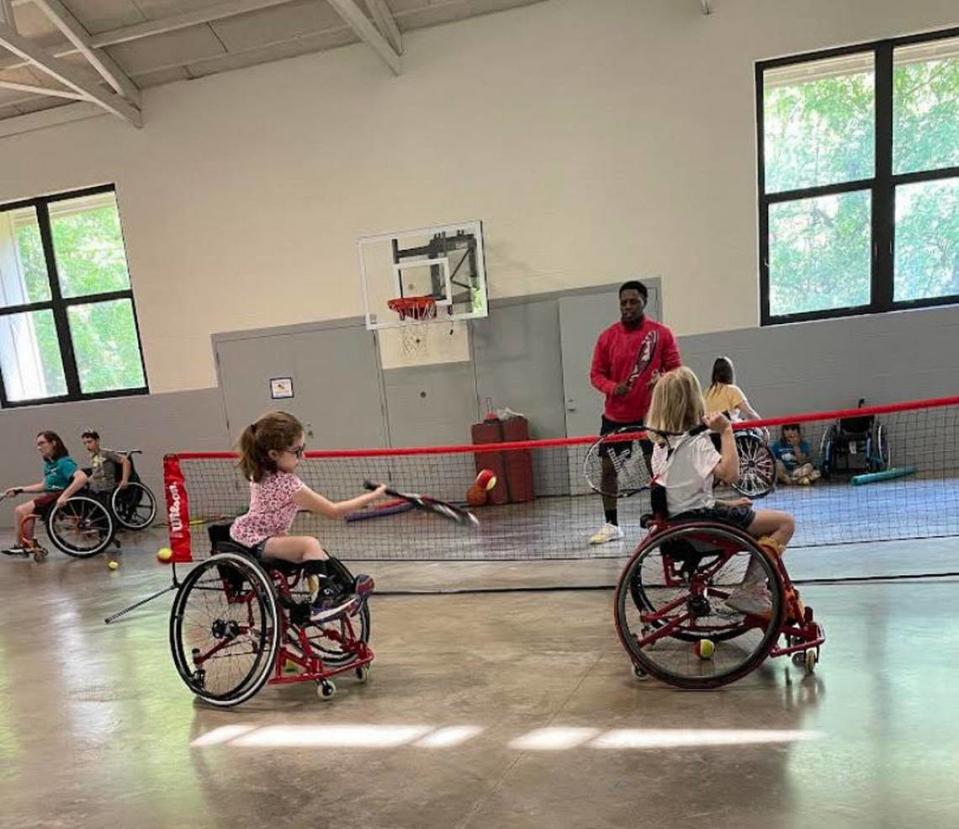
x=281 y=387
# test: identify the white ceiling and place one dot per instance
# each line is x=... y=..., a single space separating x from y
x=277 y=29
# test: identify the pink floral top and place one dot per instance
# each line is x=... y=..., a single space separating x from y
x=271 y=509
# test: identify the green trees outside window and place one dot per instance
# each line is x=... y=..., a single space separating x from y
x=859 y=179
x=67 y=315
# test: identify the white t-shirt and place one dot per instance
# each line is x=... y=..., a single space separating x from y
x=688 y=473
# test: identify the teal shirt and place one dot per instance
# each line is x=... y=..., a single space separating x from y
x=58 y=474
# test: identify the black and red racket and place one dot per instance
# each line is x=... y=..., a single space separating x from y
x=444 y=509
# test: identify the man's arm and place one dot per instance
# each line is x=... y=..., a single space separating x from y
x=599 y=371
x=671 y=355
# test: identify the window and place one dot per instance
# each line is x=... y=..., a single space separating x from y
x=859 y=179
x=68 y=327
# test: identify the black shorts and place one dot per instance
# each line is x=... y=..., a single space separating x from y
x=608 y=426
x=739 y=517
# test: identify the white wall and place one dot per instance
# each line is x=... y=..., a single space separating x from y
x=596 y=139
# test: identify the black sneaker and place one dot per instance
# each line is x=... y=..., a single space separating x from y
x=18 y=551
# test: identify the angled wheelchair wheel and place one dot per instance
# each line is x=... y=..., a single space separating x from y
x=880 y=451
x=82 y=527
x=334 y=641
x=671 y=612
x=223 y=629
x=757 y=466
x=134 y=507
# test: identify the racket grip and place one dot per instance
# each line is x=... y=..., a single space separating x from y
x=370 y=485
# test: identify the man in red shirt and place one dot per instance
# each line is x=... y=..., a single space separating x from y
x=627 y=361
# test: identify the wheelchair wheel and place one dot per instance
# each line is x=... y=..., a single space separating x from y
x=82 y=527
x=134 y=507
x=880 y=451
x=825 y=451
x=223 y=629
x=335 y=641
x=671 y=597
x=757 y=466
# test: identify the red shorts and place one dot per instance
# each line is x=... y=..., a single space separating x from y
x=44 y=502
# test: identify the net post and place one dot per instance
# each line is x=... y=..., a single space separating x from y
x=178 y=510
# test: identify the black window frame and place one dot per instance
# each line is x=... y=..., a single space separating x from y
x=882 y=186
x=59 y=304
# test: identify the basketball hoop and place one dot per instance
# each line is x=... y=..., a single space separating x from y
x=415 y=313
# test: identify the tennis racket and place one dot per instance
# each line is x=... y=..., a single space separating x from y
x=623 y=453
x=647 y=350
x=450 y=512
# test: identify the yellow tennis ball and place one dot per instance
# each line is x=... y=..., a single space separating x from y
x=704 y=648
x=113 y=564
x=164 y=554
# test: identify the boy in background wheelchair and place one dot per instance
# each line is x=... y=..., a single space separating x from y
x=104 y=465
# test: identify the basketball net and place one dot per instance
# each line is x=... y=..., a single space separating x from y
x=416 y=313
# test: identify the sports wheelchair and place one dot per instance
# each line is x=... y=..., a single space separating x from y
x=854 y=444
x=670 y=612
x=134 y=507
x=757 y=464
x=238 y=623
x=88 y=522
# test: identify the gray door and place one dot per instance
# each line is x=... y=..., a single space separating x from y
x=431 y=405
x=335 y=383
x=581 y=319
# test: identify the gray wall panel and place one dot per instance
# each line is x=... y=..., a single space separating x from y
x=336 y=381
x=519 y=363
x=156 y=423
x=431 y=405
x=832 y=363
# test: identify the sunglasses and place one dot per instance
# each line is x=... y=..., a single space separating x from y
x=297 y=450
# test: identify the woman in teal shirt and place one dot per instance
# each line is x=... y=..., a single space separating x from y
x=61 y=479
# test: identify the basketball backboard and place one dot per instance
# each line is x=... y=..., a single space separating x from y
x=445 y=263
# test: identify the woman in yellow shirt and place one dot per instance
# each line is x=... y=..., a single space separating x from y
x=723 y=395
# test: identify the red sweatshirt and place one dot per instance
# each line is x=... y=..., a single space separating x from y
x=622 y=353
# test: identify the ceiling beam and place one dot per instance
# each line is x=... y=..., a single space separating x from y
x=68 y=75
x=386 y=23
x=19 y=124
x=181 y=21
x=74 y=31
x=46 y=91
x=368 y=33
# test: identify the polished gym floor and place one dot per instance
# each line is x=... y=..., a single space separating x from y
x=499 y=709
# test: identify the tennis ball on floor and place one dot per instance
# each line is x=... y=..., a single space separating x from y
x=164 y=554
x=486 y=479
x=113 y=564
x=704 y=648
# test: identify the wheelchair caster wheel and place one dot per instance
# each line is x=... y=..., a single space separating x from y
x=639 y=673
x=810 y=661
x=116 y=543
x=362 y=673
x=39 y=554
x=325 y=690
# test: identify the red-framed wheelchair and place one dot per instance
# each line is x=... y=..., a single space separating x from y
x=238 y=624
x=671 y=615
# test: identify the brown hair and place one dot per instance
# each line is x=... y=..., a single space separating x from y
x=723 y=372
x=59 y=450
x=677 y=404
x=272 y=431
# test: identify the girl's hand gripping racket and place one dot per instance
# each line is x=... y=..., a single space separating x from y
x=450 y=512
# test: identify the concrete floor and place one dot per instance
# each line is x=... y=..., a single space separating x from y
x=499 y=710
